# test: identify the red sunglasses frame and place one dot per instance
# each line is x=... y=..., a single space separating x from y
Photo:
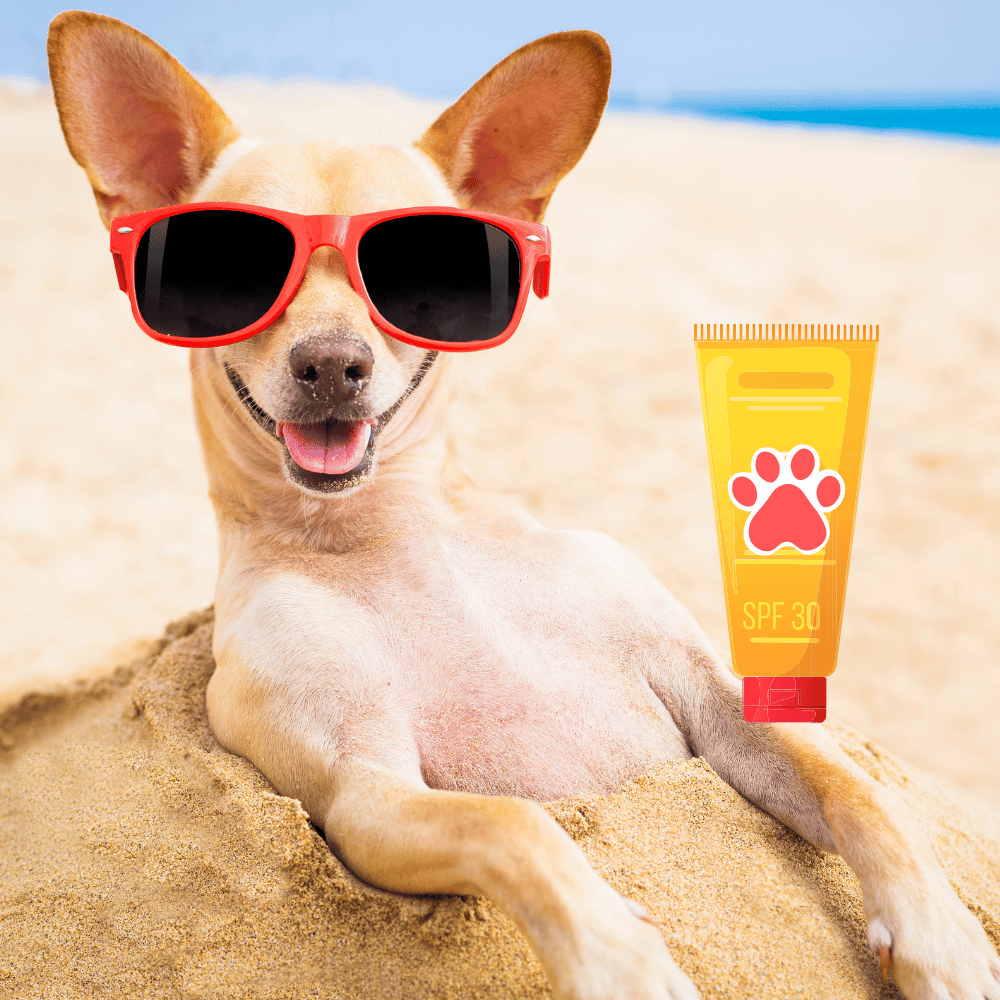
x=343 y=232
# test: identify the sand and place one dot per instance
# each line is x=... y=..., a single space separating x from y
x=140 y=860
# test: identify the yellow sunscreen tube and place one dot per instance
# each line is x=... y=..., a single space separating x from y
x=786 y=410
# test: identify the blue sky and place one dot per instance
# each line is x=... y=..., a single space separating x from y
x=437 y=47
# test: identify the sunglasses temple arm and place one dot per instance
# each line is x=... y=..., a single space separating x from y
x=120 y=270
x=540 y=278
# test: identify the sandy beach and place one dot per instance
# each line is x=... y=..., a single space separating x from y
x=588 y=417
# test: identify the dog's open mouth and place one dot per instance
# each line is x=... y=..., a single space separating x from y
x=329 y=456
x=332 y=448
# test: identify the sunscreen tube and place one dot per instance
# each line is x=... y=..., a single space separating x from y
x=786 y=410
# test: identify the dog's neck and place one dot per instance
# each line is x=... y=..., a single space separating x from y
x=409 y=488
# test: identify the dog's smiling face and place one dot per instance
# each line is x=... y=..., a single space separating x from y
x=323 y=381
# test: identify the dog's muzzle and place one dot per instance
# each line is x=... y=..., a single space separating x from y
x=302 y=442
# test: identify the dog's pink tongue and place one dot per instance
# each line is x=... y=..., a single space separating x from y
x=333 y=448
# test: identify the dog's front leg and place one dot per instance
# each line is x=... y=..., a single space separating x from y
x=917 y=925
x=405 y=837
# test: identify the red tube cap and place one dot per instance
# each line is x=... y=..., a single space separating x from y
x=784 y=699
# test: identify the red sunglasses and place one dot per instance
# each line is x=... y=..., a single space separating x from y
x=209 y=274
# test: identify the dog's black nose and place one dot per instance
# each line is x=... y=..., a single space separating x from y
x=331 y=370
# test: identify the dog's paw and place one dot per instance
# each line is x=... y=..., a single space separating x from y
x=935 y=950
x=624 y=958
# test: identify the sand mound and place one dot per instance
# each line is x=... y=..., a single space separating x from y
x=142 y=860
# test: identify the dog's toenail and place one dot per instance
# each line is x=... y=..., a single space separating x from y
x=638 y=909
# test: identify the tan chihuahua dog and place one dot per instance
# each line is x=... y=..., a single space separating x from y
x=419 y=669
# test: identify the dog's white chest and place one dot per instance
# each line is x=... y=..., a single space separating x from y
x=495 y=667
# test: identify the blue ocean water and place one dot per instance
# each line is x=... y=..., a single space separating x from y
x=974 y=119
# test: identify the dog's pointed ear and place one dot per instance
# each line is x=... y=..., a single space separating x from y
x=141 y=126
x=506 y=143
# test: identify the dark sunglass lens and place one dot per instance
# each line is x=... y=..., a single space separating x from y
x=444 y=277
x=210 y=273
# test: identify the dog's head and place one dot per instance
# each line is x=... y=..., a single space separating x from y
x=322 y=395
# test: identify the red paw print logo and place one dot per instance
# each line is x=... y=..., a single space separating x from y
x=787 y=495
